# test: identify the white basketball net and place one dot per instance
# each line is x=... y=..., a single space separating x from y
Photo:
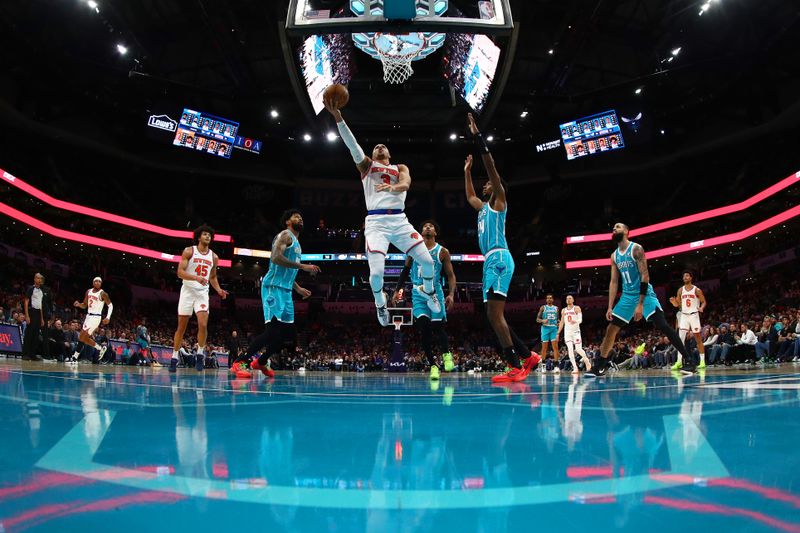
x=396 y=69
x=396 y=65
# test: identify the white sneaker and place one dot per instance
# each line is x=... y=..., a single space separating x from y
x=432 y=300
x=103 y=349
x=383 y=314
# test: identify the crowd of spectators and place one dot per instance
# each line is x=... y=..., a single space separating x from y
x=754 y=320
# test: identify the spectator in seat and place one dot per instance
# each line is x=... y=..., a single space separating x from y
x=764 y=335
x=57 y=344
x=726 y=341
x=127 y=354
x=745 y=343
x=786 y=341
x=660 y=352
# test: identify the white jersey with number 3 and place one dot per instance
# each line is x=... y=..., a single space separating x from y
x=379 y=174
x=200 y=264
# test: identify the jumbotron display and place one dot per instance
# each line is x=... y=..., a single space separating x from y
x=206 y=133
x=592 y=135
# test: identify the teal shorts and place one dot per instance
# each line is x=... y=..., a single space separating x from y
x=549 y=333
x=498 y=269
x=420 y=306
x=277 y=304
x=626 y=306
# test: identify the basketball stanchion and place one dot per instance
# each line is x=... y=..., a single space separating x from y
x=401 y=316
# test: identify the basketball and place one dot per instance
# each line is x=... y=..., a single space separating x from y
x=336 y=93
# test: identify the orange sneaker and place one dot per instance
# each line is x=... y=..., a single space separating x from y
x=515 y=374
x=267 y=371
x=532 y=362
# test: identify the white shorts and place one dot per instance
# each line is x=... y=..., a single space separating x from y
x=192 y=300
x=382 y=230
x=91 y=323
x=572 y=337
x=690 y=322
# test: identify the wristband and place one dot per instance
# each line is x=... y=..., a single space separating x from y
x=481 y=143
x=643 y=287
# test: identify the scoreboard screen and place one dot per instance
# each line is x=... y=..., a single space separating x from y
x=206 y=133
x=592 y=135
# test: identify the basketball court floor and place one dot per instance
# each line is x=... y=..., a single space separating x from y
x=352 y=452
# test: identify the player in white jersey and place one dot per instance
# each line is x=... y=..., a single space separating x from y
x=692 y=302
x=570 y=323
x=385 y=187
x=93 y=301
x=198 y=270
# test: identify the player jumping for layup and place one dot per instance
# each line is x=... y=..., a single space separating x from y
x=431 y=324
x=198 y=270
x=385 y=186
x=93 y=302
x=498 y=265
x=689 y=316
x=638 y=297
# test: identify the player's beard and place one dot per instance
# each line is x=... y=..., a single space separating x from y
x=617 y=237
x=298 y=227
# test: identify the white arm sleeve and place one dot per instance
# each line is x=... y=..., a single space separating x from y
x=579 y=318
x=110 y=309
x=350 y=142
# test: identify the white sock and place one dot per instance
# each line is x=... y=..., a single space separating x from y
x=380 y=298
x=201 y=350
x=174 y=354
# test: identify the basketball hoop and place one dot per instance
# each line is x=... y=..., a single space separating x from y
x=396 y=52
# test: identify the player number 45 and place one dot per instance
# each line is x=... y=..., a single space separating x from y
x=201 y=270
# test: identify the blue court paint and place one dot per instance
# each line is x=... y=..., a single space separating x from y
x=324 y=452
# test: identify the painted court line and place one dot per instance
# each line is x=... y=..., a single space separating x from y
x=74 y=454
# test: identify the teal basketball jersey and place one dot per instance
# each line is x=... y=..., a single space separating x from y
x=550 y=316
x=279 y=276
x=491 y=229
x=416 y=269
x=628 y=270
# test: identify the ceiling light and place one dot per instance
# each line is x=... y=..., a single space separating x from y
x=331 y=136
x=676 y=51
x=550 y=51
x=274 y=113
x=662 y=132
x=638 y=90
x=306 y=137
x=523 y=114
x=122 y=49
x=490 y=138
x=453 y=136
x=92 y=4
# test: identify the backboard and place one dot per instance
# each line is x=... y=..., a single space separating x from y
x=489 y=17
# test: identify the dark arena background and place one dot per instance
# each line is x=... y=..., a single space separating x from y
x=208 y=322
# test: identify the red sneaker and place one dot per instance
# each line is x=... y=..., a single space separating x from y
x=264 y=370
x=515 y=374
x=532 y=362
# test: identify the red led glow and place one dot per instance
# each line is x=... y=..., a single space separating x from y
x=96 y=213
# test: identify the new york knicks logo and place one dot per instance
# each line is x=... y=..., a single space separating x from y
x=202 y=306
x=415 y=235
